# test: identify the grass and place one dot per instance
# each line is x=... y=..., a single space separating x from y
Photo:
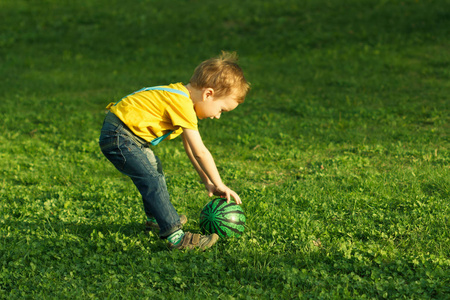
x=340 y=152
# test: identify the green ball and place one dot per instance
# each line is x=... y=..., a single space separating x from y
x=222 y=218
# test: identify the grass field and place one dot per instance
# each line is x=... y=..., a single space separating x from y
x=341 y=152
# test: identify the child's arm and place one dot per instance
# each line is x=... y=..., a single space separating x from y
x=205 y=166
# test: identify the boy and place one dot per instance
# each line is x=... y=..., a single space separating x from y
x=150 y=115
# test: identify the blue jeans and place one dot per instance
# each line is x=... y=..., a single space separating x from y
x=133 y=157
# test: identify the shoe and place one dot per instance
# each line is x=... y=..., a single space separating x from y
x=154 y=226
x=195 y=240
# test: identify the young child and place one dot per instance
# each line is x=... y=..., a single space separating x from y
x=150 y=115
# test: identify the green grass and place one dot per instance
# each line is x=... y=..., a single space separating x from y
x=341 y=152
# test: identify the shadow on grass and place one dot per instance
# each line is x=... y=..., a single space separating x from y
x=54 y=234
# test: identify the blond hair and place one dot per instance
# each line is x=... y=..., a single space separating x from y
x=222 y=74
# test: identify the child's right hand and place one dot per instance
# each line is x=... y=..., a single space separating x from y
x=222 y=191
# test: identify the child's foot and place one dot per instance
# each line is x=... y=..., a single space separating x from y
x=188 y=240
x=152 y=225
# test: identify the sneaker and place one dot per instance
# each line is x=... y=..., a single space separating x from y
x=149 y=225
x=195 y=240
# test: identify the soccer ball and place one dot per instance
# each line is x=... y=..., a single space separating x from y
x=222 y=218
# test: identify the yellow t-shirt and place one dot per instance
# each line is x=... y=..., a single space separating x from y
x=153 y=113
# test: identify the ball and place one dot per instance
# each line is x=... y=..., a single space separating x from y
x=222 y=218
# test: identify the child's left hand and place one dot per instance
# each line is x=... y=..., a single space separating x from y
x=223 y=191
x=211 y=188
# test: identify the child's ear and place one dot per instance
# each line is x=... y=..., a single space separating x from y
x=208 y=93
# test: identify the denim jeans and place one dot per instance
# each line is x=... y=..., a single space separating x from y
x=133 y=157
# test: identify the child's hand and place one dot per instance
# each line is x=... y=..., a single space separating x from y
x=211 y=188
x=224 y=192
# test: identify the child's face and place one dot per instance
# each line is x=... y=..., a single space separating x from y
x=213 y=107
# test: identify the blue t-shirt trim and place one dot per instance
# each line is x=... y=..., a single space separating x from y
x=160 y=88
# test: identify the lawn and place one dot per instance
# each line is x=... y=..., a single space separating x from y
x=340 y=153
